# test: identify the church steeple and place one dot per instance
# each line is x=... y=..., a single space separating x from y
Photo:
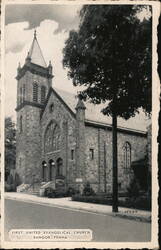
x=35 y=53
x=35 y=62
x=34 y=80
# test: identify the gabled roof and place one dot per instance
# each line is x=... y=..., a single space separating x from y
x=94 y=115
x=35 y=53
x=51 y=90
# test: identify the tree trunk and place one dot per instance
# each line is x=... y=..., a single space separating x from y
x=114 y=145
x=105 y=190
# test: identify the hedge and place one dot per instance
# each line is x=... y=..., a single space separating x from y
x=143 y=203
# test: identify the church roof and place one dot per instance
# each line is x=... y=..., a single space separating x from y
x=35 y=53
x=94 y=115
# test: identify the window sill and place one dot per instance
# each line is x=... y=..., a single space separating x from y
x=52 y=152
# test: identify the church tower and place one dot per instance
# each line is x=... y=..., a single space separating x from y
x=34 y=80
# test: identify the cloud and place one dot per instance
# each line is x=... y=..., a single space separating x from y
x=65 y=15
x=13 y=33
x=51 y=44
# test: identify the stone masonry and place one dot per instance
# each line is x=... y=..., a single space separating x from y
x=53 y=140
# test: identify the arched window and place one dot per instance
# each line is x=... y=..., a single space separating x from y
x=127 y=155
x=52 y=137
x=21 y=127
x=56 y=138
x=51 y=108
x=51 y=170
x=43 y=94
x=59 y=167
x=21 y=95
x=35 y=92
x=44 y=171
x=24 y=90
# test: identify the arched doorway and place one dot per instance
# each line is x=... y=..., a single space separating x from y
x=51 y=170
x=60 y=179
x=59 y=167
x=44 y=171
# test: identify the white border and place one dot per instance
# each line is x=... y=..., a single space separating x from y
x=155 y=111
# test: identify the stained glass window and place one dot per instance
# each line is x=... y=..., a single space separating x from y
x=52 y=137
x=24 y=90
x=20 y=95
x=35 y=92
x=43 y=94
x=59 y=168
x=21 y=128
x=127 y=155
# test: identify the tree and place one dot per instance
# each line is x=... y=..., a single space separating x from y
x=110 y=55
x=10 y=145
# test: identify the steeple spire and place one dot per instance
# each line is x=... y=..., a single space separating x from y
x=35 y=53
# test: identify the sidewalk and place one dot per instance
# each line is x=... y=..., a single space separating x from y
x=128 y=213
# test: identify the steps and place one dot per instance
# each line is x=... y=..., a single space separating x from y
x=33 y=189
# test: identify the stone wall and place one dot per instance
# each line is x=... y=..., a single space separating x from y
x=29 y=140
x=149 y=146
x=27 y=80
x=41 y=81
x=99 y=170
x=67 y=123
x=28 y=144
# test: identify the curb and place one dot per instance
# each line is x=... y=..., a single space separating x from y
x=119 y=214
x=132 y=217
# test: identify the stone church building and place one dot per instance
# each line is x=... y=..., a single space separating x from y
x=59 y=137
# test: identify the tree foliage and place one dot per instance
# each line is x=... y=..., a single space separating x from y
x=10 y=144
x=110 y=55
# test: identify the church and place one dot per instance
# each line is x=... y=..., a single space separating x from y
x=62 y=138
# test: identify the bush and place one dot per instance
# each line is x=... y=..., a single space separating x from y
x=53 y=193
x=133 y=189
x=71 y=191
x=87 y=190
x=140 y=203
x=10 y=187
x=92 y=199
x=49 y=192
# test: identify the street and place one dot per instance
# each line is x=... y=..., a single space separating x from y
x=106 y=228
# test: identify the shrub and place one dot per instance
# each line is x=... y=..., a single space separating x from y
x=143 y=203
x=133 y=189
x=87 y=190
x=17 y=180
x=92 y=199
x=53 y=193
x=140 y=202
x=10 y=187
x=71 y=191
x=49 y=192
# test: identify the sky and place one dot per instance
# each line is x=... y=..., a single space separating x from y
x=52 y=24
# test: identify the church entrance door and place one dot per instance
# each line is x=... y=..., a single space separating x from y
x=51 y=170
x=44 y=171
